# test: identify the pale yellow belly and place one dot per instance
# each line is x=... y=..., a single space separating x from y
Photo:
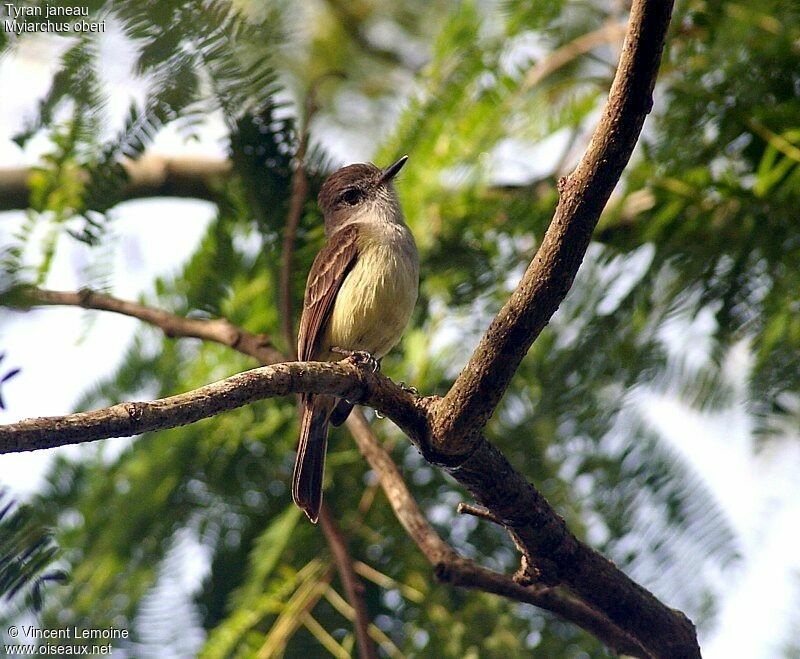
x=374 y=303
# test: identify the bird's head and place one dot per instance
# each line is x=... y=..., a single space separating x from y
x=360 y=193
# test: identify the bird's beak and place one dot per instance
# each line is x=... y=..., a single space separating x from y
x=391 y=171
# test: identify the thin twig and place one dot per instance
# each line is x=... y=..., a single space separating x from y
x=296 y=203
x=218 y=330
x=609 y=33
x=477 y=511
x=299 y=195
x=353 y=587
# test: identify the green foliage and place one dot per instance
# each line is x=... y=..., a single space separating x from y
x=701 y=236
x=27 y=553
x=722 y=198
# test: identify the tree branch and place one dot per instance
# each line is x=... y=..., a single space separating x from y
x=468 y=574
x=553 y=555
x=218 y=330
x=353 y=587
x=449 y=566
x=448 y=431
x=296 y=203
x=586 y=43
x=158 y=176
x=481 y=384
x=150 y=176
x=343 y=379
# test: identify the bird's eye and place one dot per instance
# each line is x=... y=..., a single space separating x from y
x=351 y=196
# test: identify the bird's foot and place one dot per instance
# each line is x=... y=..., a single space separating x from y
x=360 y=358
x=408 y=389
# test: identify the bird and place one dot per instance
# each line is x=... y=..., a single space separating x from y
x=360 y=294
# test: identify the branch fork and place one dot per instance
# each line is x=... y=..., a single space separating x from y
x=449 y=430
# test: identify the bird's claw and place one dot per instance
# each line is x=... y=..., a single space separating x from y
x=408 y=388
x=360 y=358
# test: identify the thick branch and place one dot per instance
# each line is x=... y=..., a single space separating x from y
x=449 y=566
x=483 y=381
x=342 y=379
x=452 y=568
x=158 y=176
x=467 y=574
x=151 y=176
x=556 y=556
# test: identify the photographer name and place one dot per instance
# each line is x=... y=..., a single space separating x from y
x=74 y=633
x=18 y=15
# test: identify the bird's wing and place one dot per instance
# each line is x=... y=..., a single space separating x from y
x=328 y=271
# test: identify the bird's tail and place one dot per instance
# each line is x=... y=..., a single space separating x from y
x=309 y=465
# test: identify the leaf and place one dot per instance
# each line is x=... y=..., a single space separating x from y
x=267 y=552
x=10 y=374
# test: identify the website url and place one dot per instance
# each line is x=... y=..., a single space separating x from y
x=22 y=650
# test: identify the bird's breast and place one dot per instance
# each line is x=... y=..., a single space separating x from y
x=376 y=299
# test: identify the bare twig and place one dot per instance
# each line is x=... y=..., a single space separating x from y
x=405 y=507
x=477 y=511
x=218 y=330
x=609 y=33
x=296 y=203
x=353 y=587
x=299 y=195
